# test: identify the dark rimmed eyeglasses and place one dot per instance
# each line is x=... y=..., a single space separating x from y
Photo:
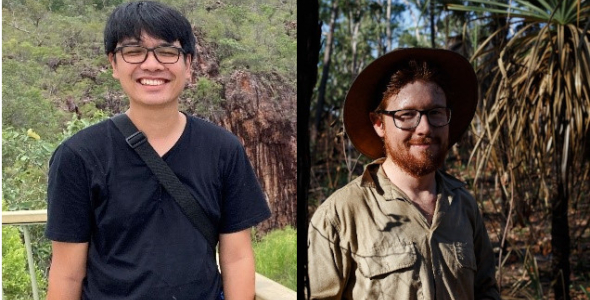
x=138 y=54
x=410 y=118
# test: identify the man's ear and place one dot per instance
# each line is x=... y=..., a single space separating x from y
x=378 y=125
x=113 y=65
x=189 y=69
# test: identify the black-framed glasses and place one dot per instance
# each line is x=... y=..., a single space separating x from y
x=138 y=54
x=410 y=118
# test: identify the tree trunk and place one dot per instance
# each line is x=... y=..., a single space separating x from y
x=560 y=243
x=388 y=26
x=354 y=32
x=325 y=71
x=432 y=25
x=355 y=15
x=560 y=234
x=306 y=76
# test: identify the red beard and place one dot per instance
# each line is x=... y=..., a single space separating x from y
x=428 y=160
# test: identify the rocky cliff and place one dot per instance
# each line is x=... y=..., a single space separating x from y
x=261 y=110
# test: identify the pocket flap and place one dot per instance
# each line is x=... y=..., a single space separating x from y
x=465 y=255
x=394 y=258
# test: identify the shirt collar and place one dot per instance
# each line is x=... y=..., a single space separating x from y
x=374 y=177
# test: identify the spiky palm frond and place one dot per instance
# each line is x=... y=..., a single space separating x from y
x=534 y=121
x=553 y=11
x=537 y=107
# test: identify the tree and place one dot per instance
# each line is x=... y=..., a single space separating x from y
x=326 y=67
x=307 y=76
x=535 y=112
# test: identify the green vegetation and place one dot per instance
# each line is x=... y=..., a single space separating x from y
x=57 y=80
x=16 y=282
x=276 y=256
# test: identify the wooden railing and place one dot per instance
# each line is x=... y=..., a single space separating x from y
x=266 y=289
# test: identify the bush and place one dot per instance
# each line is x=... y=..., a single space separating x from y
x=24 y=168
x=15 y=279
x=16 y=282
x=24 y=104
x=276 y=256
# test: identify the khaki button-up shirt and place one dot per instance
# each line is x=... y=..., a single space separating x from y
x=368 y=241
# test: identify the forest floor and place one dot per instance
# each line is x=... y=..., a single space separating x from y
x=526 y=267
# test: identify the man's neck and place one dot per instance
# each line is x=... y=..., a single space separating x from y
x=163 y=126
x=412 y=186
x=156 y=122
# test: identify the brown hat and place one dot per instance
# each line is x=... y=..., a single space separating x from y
x=366 y=93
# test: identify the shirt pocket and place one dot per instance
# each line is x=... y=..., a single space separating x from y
x=465 y=255
x=389 y=273
x=459 y=257
x=393 y=259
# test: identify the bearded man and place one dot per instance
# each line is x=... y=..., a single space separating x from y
x=404 y=229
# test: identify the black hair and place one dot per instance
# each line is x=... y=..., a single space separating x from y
x=129 y=20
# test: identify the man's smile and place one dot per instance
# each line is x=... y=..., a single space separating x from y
x=151 y=82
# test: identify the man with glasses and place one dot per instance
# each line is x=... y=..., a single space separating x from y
x=116 y=232
x=404 y=229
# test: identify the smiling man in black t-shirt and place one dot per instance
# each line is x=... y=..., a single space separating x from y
x=116 y=232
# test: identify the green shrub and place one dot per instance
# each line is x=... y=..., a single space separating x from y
x=24 y=102
x=276 y=256
x=25 y=154
x=16 y=282
x=15 y=279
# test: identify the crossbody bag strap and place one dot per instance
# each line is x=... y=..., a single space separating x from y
x=188 y=204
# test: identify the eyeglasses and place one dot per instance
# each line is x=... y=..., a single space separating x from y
x=138 y=54
x=410 y=118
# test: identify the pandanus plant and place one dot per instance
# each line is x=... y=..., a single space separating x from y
x=533 y=124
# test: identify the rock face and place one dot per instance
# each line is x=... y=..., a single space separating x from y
x=206 y=62
x=261 y=110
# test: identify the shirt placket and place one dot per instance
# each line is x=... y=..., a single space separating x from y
x=437 y=258
x=419 y=227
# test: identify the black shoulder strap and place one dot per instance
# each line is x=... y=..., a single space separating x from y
x=189 y=205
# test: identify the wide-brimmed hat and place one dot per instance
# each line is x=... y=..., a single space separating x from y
x=366 y=93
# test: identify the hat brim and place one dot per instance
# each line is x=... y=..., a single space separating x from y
x=366 y=93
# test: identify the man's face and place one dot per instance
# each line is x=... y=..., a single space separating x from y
x=421 y=150
x=151 y=83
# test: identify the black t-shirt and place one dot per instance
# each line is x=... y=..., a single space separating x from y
x=141 y=245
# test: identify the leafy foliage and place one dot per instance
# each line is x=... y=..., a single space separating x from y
x=561 y=12
x=24 y=169
x=16 y=282
x=276 y=256
x=209 y=95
